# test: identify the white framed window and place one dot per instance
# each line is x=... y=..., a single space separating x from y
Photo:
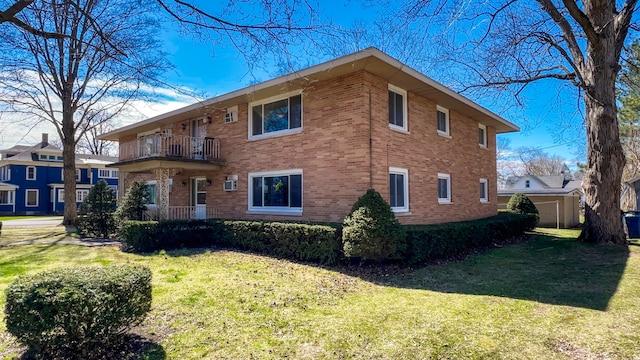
x=484 y=190
x=482 y=135
x=61 y=195
x=397 y=108
x=399 y=189
x=444 y=188
x=108 y=173
x=7 y=197
x=81 y=195
x=52 y=157
x=443 y=121
x=278 y=192
x=43 y=157
x=31 y=197
x=78 y=174
x=31 y=172
x=152 y=193
x=275 y=116
x=5 y=173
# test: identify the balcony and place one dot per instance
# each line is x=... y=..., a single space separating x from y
x=169 y=151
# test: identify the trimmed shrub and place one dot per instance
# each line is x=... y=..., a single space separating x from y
x=77 y=312
x=139 y=236
x=96 y=212
x=428 y=242
x=521 y=204
x=132 y=206
x=305 y=242
x=371 y=231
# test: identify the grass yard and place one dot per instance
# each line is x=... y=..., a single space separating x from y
x=20 y=233
x=551 y=298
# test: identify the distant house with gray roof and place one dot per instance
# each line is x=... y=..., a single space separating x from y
x=556 y=197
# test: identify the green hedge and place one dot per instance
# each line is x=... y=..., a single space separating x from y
x=306 y=242
x=319 y=243
x=425 y=242
x=77 y=311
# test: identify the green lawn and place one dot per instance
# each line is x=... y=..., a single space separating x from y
x=551 y=298
x=19 y=233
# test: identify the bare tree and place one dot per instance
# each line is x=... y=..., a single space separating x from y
x=508 y=44
x=83 y=78
x=89 y=142
x=538 y=162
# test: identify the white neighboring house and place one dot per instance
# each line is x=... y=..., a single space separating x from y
x=557 y=199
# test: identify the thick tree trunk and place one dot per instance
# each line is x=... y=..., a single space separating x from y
x=602 y=183
x=69 y=158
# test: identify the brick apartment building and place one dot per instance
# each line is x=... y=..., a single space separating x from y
x=306 y=145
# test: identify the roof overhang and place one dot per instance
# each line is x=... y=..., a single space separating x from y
x=148 y=165
x=543 y=192
x=5 y=186
x=370 y=60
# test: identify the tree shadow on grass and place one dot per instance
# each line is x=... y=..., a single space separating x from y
x=549 y=269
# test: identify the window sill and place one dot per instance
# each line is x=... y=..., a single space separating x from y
x=483 y=146
x=444 y=202
x=484 y=201
x=275 y=212
x=399 y=129
x=401 y=212
x=274 y=134
x=444 y=135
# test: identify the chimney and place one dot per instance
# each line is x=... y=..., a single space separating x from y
x=45 y=140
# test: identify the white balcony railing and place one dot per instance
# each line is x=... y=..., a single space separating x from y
x=170 y=146
x=185 y=213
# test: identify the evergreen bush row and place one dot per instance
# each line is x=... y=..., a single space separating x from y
x=321 y=243
x=306 y=242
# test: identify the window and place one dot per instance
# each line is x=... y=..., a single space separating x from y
x=6 y=197
x=527 y=183
x=107 y=173
x=31 y=197
x=152 y=193
x=31 y=172
x=81 y=195
x=277 y=192
x=399 y=189
x=78 y=174
x=276 y=117
x=482 y=135
x=61 y=195
x=397 y=108
x=43 y=157
x=444 y=188
x=59 y=158
x=443 y=121
x=52 y=157
x=484 y=190
x=5 y=173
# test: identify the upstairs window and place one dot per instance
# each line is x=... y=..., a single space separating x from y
x=397 y=108
x=527 y=183
x=443 y=121
x=482 y=135
x=276 y=117
x=31 y=172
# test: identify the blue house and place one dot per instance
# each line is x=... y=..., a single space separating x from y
x=32 y=182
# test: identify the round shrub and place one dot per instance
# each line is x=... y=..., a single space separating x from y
x=371 y=231
x=521 y=204
x=78 y=312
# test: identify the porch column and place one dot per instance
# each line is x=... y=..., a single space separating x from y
x=162 y=186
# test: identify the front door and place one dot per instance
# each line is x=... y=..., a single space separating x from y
x=199 y=197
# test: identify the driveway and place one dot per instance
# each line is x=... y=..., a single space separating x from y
x=34 y=222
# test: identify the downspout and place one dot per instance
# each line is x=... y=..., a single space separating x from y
x=370 y=145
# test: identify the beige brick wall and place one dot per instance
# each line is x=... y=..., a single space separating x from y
x=333 y=151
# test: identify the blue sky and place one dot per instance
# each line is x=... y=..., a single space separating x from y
x=216 y=68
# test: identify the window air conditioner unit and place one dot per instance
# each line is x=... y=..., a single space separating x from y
x=231 y=115
x=230 y=185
